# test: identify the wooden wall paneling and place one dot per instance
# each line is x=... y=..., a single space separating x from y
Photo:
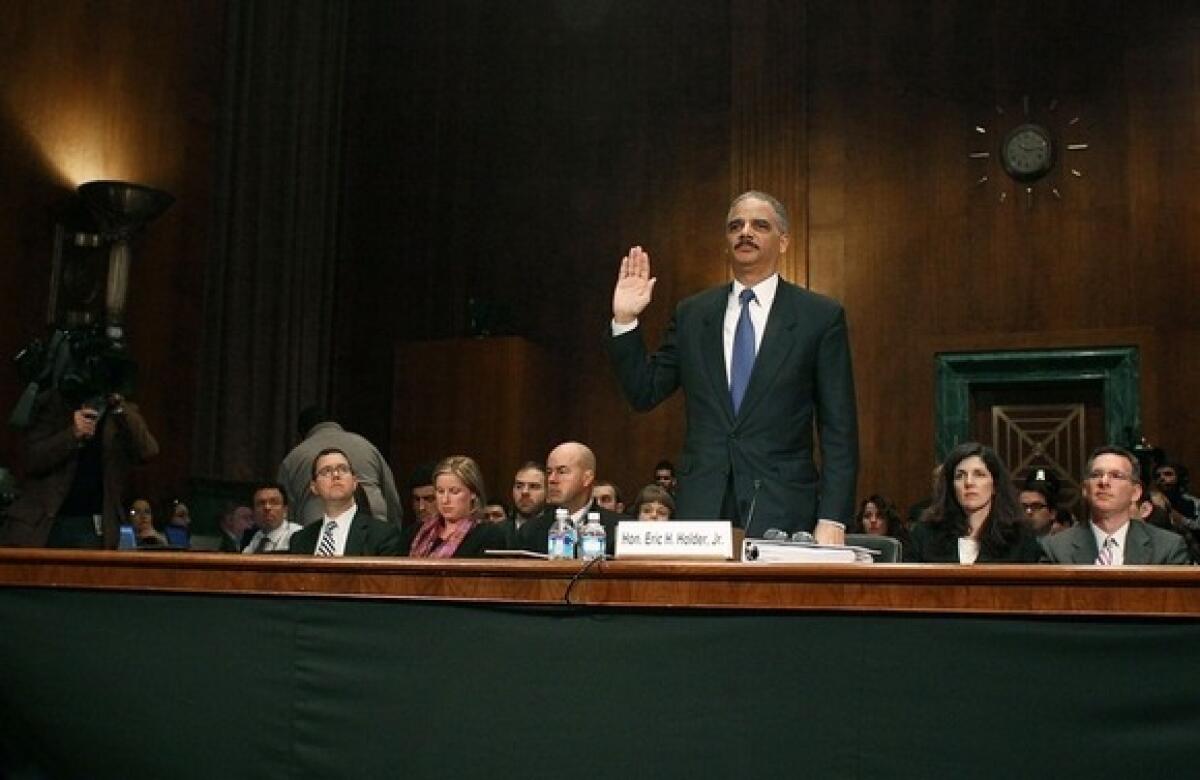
x=768 y=115
x=488 y=402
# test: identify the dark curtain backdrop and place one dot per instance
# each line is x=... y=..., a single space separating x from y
x=272 y=275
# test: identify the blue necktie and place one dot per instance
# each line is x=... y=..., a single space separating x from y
x=742 y=360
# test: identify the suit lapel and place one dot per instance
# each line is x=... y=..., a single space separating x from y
x=1084 y=544
x=1137 y=544
x=712 y=349
x=355 y=536
x=777 y=344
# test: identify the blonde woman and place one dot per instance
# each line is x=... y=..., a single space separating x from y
x=458 y=529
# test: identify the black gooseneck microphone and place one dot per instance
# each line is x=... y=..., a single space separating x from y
x=753 y=504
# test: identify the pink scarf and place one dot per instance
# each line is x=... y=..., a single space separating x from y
x=429 y=544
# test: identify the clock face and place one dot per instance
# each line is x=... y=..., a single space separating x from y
x=1027 y=153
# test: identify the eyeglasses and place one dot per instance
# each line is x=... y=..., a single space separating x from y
x=1034 y=508
x=341 y=469
x=1113 y=476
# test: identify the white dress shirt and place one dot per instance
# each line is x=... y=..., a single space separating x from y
x=1118 y=552
x=760 y=310
x=277 y=539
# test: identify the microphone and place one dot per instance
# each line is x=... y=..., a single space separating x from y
x=753 y=504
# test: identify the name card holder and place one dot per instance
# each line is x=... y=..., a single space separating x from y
x=710 y=540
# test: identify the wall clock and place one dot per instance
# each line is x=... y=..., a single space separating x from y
x=1036 y=148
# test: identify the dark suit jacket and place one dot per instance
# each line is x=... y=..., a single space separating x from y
x=51 y=456
x=367 y=536
x=1144 y=544
x=802 y=372
x=481 y=538
x=535 y=534
x=933 y=543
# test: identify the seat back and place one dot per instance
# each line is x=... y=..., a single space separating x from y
x=889 y=548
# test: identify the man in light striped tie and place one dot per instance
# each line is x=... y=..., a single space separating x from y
x=344 y=528
x=1113 y=537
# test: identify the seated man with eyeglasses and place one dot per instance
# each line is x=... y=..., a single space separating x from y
x=345 y=528
x=1112 y=537
x=1039 y=502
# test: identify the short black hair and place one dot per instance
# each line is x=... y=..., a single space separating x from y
x=421 y=476
x=330 y=451
x=265 y=485
x=665 y=464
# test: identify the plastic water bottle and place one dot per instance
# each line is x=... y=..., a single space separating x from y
x=561 y=541
x=593 y=539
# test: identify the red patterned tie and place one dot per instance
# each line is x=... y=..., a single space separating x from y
x=1105 y=558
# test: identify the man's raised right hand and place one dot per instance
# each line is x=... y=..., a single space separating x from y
x=634 y=286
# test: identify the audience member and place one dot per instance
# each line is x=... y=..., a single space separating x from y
x=664 y=476
x=141 y=517
x=459 y=529
x=1062 y=521
x=974 y=515
x=233 y=523
x=179 y=515
x=344 y=528
x=373 y=473
x=917 y=510
x=1171 y=477
x=608 y=495
x=878 y=517
x=1153 y=508
x=78 y=459
x=178 y=529
x=1112 y=537
x=495 y=513
x=570 y=473
x=654 y=503
x=274 y=529
x=529 y=499
x=421 y=494
x=1039 y=500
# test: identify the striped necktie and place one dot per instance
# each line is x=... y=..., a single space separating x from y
x=741 y=362
x=1105 y=558
x=327 y=547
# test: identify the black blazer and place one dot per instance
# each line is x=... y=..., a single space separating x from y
x=483 y=537
x=934 y=543
x=534 y=535
x=802 y=373
x=367 y=536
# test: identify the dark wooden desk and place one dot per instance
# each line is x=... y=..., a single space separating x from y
x=201 y=665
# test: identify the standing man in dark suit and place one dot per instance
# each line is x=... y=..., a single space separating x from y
x=759 y=361
x=345 y=529
x=1112 y=537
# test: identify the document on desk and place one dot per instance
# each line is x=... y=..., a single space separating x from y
x=772 y=551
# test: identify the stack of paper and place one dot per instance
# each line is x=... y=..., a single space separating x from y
x=771 y=551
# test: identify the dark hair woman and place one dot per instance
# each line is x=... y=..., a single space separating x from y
x=975 y=515
x=878 y=517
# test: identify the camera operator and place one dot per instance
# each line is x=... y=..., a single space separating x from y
x=78 y=460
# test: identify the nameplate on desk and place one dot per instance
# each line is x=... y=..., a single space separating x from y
x=691 y=539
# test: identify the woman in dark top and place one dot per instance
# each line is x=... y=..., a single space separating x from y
x=458 y=529
x=975 y=516
x=878 y=517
